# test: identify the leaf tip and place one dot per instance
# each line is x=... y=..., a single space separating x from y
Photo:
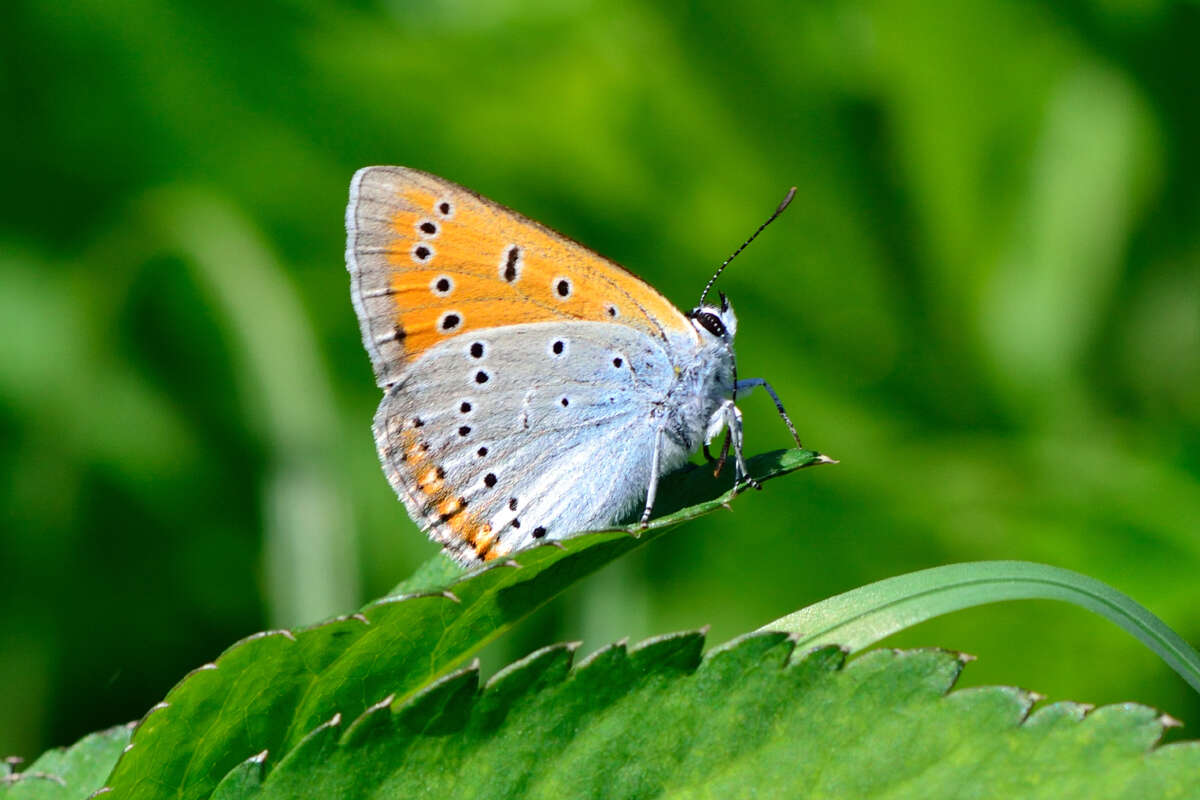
x=41 y=776
x=1167 y=721
x=382 y=704
x=824 y=459
x=264 y=634
x=798 y=638
x=618 y=648
x=367 y=719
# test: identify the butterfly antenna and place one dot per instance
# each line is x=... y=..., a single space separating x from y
x=791 y=193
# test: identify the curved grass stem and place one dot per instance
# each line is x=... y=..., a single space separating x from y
x=863 y=616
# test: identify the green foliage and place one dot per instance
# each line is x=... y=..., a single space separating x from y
x=759 y=715
x=751 y=719
x=371 y=703
x=70 y=773
x=982 y=301
x=269 y=691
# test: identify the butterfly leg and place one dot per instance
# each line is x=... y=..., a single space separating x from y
x=750 y=383
x=652 y=489
x=720 y=462
x=715 y=424
x=732 y=416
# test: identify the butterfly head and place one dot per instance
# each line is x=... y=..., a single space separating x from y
x=718 y=322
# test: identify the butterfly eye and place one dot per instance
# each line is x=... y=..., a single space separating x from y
x=710 y=322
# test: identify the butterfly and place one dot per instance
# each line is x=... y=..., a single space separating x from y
x=532 y=389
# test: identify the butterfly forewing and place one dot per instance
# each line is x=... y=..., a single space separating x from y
x=430 y=260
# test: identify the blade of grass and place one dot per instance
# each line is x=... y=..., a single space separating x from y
x=863 y=616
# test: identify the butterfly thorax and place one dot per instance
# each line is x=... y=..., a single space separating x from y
x=705 y=382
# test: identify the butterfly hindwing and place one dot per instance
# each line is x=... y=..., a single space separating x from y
x=512 y=434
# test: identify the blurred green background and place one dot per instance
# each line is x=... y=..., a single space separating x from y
x=985 y=300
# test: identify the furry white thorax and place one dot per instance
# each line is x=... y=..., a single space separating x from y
x=695 y=403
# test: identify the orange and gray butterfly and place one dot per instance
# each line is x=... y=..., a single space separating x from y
x=533 y=389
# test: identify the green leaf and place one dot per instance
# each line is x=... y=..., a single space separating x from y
x=753 y=719
x=70 y=773
x=269 y=691
x=863 y=616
